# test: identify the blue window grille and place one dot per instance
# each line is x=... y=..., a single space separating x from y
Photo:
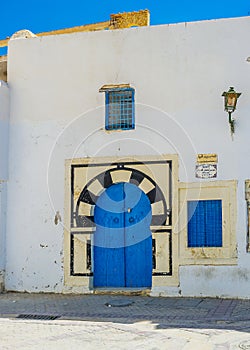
x=205 y=223
x=120 y=109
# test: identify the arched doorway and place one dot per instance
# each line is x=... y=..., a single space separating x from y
x=123 y=240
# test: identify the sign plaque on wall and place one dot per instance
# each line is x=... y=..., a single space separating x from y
x=207 y=158
x=206 y=171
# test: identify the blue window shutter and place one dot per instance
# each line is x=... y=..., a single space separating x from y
x=205 y=223
x=214 y=223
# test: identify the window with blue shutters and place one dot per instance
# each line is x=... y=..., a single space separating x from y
x=119 y=109
x=207 y=223
x=204 y=223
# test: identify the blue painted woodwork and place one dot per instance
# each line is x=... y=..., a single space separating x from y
x=123 y=240
x=205 y=223
x=119 y=109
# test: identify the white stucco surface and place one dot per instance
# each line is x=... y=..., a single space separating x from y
x=179 y=73
x=4 y=139
x=4 y=129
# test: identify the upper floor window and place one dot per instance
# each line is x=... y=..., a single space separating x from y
x=119 y=112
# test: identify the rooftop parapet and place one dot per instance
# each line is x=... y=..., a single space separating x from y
x=117 y=21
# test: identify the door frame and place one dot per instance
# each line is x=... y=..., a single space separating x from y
x=84 y=282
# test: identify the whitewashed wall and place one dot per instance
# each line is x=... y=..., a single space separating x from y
x=4 y=134
x=179 y=73
x=4 y=129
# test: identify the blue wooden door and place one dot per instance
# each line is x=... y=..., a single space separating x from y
x=123 y=240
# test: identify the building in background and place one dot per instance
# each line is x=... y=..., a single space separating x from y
x=119 y=169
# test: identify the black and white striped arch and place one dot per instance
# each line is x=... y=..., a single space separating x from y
x=82 y=216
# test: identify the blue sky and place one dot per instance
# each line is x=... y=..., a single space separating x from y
x=46 y=15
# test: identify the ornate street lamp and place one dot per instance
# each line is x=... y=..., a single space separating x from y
x=230 y=101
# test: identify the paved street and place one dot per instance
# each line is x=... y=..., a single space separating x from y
x=50 y=321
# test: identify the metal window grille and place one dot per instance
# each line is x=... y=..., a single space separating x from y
x=205 y=223
x=120 y=109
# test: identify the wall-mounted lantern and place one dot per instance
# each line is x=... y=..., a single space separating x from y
x=230 y=101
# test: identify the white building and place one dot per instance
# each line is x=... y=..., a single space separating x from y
x=118 y=168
